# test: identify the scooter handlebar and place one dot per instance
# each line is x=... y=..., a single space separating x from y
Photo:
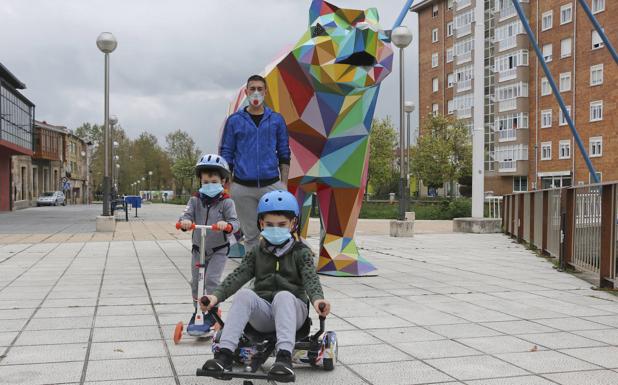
x=227 y=229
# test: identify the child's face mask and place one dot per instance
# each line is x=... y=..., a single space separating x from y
x=256 y=98
x=211 y=189
x=276 y=235
x=277 y=229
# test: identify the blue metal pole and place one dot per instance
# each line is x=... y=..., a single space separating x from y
x=403 y=13
x=599 y=29
x=555 y=90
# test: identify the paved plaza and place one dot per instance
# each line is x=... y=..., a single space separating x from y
x=77 y=307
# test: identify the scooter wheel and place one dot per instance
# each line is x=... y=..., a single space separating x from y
x=178 y=332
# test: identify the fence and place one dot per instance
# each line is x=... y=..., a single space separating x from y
x=575 y=224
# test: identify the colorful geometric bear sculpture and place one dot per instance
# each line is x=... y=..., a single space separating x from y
x=326 y=88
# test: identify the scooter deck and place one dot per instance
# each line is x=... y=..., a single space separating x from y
x=244 y=375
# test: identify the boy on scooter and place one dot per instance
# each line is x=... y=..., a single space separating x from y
x=209 y=206
x=286 y=282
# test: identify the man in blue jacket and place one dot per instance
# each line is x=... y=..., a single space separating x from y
x=255 y=145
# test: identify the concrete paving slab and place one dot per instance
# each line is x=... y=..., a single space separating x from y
x=436 y=349
x=126 y=369
x=546 y=362
x=40 y=354
x=400 y=373
x=475 y=367
x=41 y=374
x=596 y=377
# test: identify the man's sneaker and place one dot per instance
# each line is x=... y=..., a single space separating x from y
x=222 y=362
x=282 y=368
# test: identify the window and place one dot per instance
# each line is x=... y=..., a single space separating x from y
x=565 y=149
x=449 y=29
x=566 y=13
x=599 y=178
x=561 y=119
x=596 y=146
x=449 y=55
x=434 y=11
x=434 y=35
x=506 y=63
x=547 y=52
x=566 y=46
x=546 y=151
x=598 y=6
x=545 y=88
x=547 y=21
x=520 y=183
x=596 y=111
x=546 y=118
x=450 y=79
x=449 y=4
x=597 y=42
x=463 y=23
x=451 y=106
x=506 y=35
x=434 y=109
x=435 y=84
x=565 y=82
x=596 y=75
x=434 y=60
x=463 y=77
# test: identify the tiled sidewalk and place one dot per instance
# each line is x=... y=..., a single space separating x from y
x=444 y=308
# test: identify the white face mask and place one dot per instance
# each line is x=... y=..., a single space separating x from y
x=256 y=99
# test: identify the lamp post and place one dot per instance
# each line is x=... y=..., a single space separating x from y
x=149 y=181
x=409 y=109
x=401 y=37
x=114 y=159
x=107 y=44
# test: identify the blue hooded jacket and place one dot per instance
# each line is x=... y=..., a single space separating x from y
x=255 y=153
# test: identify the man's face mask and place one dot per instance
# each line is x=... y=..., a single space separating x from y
x=256 y=99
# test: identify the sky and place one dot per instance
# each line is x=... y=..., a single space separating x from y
x=178 y=63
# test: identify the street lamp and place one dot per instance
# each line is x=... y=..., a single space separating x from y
x=107 y=44
x=112 y=121
x=408 y=107
x=401 y=37
x=149 y=180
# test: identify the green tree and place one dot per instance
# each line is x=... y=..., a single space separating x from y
x=443 y=153
x=182 y=151
x=382 y=156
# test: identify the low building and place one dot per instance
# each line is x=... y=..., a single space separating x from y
x=16 y=142
x=75 y=169
x=47 y=161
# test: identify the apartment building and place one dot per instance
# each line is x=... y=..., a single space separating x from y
x=587 y=77
x=527 y=142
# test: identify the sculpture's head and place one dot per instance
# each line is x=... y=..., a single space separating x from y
x=344 y=49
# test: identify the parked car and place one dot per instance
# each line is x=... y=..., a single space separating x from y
x=51 y=198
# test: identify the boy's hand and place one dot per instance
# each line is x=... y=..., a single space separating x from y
x=316 y=306
x=185 y=224
x=223 y=226
x=213 y=302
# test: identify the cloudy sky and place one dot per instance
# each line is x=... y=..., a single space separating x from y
x=177 y=65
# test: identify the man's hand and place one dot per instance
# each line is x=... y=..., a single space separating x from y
x=185 y=224
x=212 y=303
x=316 y=306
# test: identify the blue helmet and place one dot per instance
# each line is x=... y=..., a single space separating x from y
x=212 y=162
x=277 y=200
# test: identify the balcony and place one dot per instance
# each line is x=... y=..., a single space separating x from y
x=464 y=113
x=463 y=85
x=506 y=75
x=464 y=57
x=461 y=4
x=463 y=30
x=507 y=43
x=506 y=12
x=507 y=105
x=508 y=135
x=507 y=166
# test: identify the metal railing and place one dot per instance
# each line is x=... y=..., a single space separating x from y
x=578 y=225
x=493 y=207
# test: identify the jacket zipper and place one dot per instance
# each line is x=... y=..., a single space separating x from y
x=257 y=148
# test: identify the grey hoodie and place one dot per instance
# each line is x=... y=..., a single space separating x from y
x=201 y=213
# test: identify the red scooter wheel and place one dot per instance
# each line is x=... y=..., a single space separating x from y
x=178 y=332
